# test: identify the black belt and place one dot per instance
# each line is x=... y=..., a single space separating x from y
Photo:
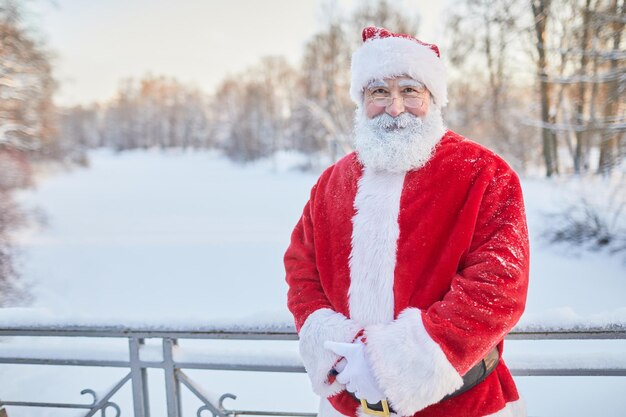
x=473 y=377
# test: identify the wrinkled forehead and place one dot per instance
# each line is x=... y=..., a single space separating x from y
x=401 y=82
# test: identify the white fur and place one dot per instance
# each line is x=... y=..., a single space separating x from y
x=410 y=366
x=322 y=325
x=512 y=409
x=398 y=149
x=388 y=57
x=375 y=232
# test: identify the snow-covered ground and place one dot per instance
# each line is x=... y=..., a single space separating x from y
x=151 y=235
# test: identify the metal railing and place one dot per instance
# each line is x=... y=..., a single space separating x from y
x=138 y=357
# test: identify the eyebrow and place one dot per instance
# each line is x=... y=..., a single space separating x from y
x=410 y=83
x=377 y=83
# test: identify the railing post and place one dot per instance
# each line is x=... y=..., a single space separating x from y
x=172 y=385
x=139 y=379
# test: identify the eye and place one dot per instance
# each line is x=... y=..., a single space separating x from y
x=378 y=92
x=410 y=91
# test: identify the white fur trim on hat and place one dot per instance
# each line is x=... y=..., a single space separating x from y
x=380 y=58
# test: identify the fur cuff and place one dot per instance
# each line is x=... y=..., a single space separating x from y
x=512 y=409
x=410 y=366
x=321 y=326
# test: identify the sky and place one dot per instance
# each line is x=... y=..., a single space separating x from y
x=98 y=43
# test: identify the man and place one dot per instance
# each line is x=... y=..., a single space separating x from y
x=409 y=264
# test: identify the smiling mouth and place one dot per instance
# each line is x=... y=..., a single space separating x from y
x=394 y=127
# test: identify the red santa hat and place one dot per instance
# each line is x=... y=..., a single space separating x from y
x=386 y=54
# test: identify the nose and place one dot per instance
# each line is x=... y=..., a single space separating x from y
x=396 y=107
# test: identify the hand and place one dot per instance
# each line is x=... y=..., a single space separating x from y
x=357 y=375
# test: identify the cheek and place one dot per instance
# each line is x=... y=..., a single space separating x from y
x=372 y=110
x=420 y=111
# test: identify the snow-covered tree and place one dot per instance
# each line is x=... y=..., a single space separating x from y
x=251 y=111
x=154 y=112
x=552 y=65
x=26 y=84
x=324 y=112
x=489 y=77
x=26 y=124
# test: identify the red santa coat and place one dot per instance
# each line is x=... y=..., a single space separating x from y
x=433 y=264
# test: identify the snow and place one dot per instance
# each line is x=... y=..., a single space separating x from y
x=597 y=359
x=61 y=351
x=174 y=237
x=565 y=318
x=39 y=318
x=106 y=350
x=286 y=356
x=183 y=240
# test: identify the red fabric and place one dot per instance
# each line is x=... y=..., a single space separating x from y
x=361 y=335
x=373 y=32
x=462 y=258
x=311 y=255
x=332 y=376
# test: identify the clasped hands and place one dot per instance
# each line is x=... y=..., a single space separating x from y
x=355 y=371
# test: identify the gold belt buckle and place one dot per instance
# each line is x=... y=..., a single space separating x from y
x=367 y=410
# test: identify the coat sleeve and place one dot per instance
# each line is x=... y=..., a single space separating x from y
x=421 y=356
x=316 y=320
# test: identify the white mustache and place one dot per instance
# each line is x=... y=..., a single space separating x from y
x=387 y=122
x=397 y=144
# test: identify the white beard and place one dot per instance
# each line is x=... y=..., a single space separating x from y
x=397 y=144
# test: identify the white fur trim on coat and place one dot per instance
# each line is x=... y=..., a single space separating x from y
x=323 y=325
x=375 y=232
x=512 y=409
x=410 y=366
x=388 y=57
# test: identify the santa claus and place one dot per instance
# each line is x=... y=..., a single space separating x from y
x=409 y=264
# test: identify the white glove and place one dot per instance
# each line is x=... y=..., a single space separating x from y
x=357 y=374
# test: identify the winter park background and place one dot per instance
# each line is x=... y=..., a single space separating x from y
x=173 y=201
